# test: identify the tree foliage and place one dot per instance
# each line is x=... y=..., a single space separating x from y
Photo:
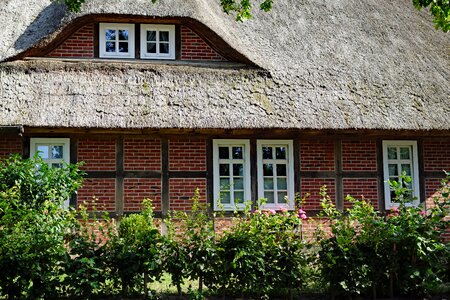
x=243 y=9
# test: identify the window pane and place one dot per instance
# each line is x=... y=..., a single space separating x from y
x=224 y=153
x=110 y=34
x=123 y=35
x=269 y=197
x=268 y=183
x=393 y=170
x=392 y=152
x=151 y=36
x=151 y=47
x=123 y=47
x=224 y=170
x=404 y=153
x=393 y=197
x=280 y=152
x=267 y=169
x=57 y=152
x=163 y=36
x=238 y=169
x=267 y=152
x=282 y=183
x=224 y=184
x=239 y=197
x=225 y=197
x=57 y=166
x=281 y=170
x=238 y=183
x=282 y=197
x=43 y=151
x=407 y=169
x=163 y=48
x=237 y=153
x=110 y=47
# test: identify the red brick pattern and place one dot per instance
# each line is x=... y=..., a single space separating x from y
x=436 y=155
x=361 y=187
x=317 y=155
x=142 y=154
x=194 y=47
x=9 y=145
x=103 y=191
x=432 y=186
x=138 y=189
x=79 y=44
x=359 y=155
x=98 y=154
x=187 y=155
x=312 y=186
x=182 y=190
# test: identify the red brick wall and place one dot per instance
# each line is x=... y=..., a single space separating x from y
x=194 y=47
x=359 y=156
x=102 y=189
x=187 y=155
x=312 y=186
x=182 y=190
x=317 y=155
x=79 y=44
x=361 y=187
x=436 y=155
x=138 y=189
x=9 y=145
x=98 y=154
x=142 y=154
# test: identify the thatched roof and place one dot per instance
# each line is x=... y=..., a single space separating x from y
x=344 y=64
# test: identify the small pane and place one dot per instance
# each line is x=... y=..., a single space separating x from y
x=151 y=36
x=123 y=35
x=393 y=197
x=238 y=169
x=392 y=152
x=57 y=166
x=57 y=152
x=110 y=47
x=224 y=153
x=225 y=197
x=224 y=170
x=237 y=153
x=282 y=183
x=393 y=170
x=238 y=183
x=123 y=47
x=282 y=197
x=269 y=197
x=239 y=197
x=43 y=151
x=405 y=153
x=407 y=169
x=151 y=47
x=163 y=36
x=268 y=183
x=164 y=48
x=267 y=153
x=281 y=170
x=110 y=34
x=280 y=152
x=267 y=169
x=224 y=184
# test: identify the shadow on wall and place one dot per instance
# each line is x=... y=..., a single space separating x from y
x=48 y=20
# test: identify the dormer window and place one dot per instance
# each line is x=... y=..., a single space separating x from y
x=116 y=40
x=157 y=41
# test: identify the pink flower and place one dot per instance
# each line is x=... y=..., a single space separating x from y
x=422 y=213
x=272 y=212
x=283 y=209
x=257 y=211
x=303 y=217
x=394 y=209
x=301 y=212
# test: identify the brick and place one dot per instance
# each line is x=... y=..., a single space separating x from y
x=187 y=155
x=195 y=48
x=142 y=154
x=436 y=155
x=100 y=193
x=359 y=156
x=10 y=145
x=80 y=44
x=97 y=154
x=358 y=188
x=138 y=189
x=312 y=186
x=181 y=191
x=317 y=156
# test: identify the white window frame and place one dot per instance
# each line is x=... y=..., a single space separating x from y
x=34 y=142
x=157 y=28
x=289 y=172
x=116 y=26
x=247 y=183
x=414 y=171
